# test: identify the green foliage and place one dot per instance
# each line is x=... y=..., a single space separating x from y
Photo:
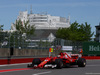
x=63 y=33
x=1 y=28
x=16 y=40
x=24 y=27
x=76 y=32
x=1 y=33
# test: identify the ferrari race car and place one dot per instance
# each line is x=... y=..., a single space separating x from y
x=64 y=59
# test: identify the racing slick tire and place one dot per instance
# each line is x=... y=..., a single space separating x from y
x=81 y=62
x=36 y=61
x=59 y=63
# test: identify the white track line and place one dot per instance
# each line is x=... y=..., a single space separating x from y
x=92 y=73
x=30 y=63
x=42 y=73
x=92 y=65
x=14 y=64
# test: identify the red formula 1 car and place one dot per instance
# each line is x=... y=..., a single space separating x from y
x=62 y=60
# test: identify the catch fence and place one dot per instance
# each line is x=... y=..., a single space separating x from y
x=22 y=42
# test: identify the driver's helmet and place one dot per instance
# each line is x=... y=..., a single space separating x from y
x=80 y=51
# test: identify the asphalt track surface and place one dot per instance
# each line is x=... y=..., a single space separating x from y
x=92 y=68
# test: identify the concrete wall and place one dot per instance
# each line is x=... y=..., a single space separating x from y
x=4 y=52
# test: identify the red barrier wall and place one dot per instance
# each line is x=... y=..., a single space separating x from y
x=27 y=60
x=91 y=57
x=3 y=61
x=14 y=61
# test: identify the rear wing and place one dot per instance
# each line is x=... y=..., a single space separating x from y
x=76 y=55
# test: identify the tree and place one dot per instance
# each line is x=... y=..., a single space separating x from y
x=3 y=36
x=1 y=29
x=24 y=27
x=63 y=33
x=76 y=32
x=1 y=33
x=17 y=38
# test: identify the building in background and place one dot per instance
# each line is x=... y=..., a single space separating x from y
x=45 y=25
x=97 y=33
x=43 y=21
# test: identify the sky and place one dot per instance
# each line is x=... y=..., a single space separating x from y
x=79 y=10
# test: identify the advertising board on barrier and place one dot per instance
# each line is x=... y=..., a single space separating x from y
x=94 y=48
x=68 y=48
x=91 y=48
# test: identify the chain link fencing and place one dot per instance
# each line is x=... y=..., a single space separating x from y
x=24 y=46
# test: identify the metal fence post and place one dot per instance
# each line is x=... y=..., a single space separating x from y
x=62 y=42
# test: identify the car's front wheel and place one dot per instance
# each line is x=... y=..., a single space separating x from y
x=36 y=61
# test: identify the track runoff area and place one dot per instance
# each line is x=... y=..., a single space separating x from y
x=92 y=68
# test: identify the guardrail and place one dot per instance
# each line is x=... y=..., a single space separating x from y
x=17 y=60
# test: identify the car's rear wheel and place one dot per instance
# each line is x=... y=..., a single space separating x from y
x=59 y=63
x=81 y=62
